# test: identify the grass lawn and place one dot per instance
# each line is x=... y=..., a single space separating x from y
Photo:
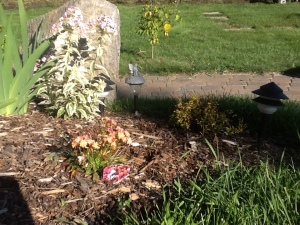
x=260 y=38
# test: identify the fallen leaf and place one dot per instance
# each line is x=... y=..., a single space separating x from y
x=134 y=196
x=3 y=134
x=152 y=184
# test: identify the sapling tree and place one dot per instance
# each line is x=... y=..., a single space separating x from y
x=156 y=19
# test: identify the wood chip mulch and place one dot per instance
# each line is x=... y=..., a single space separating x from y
x=36 y=188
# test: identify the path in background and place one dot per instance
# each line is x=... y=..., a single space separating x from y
x=200 y=84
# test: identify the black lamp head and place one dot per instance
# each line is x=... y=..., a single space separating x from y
x=270 y=90
x=270 y=94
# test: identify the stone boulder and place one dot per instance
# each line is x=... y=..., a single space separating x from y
x=91 y=9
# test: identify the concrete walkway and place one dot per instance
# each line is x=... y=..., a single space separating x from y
x=202 y=84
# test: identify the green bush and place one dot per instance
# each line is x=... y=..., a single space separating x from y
x=203 y=115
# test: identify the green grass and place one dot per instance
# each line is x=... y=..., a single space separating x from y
x=263 y=194
x=31 y=13
x=198 y=43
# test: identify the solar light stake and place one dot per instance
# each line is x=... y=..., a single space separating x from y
x=135 y=82
x=263 y=129
x=267 y=102
x=103 y=95
x=135 y=103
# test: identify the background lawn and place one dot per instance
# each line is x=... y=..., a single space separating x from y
x=243 y=38
x=262 y=38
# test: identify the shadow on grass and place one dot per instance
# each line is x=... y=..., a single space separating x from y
x=13 y=207
x=293 y=72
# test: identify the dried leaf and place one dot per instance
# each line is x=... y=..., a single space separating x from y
x=152 y=184
x=134 y=196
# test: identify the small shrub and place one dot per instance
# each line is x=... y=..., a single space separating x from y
x=202 y=114
x=92 y=152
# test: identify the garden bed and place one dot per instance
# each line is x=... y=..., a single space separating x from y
x=36 y=186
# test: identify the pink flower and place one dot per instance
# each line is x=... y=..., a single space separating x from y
x=116 y=173
x=81 y=159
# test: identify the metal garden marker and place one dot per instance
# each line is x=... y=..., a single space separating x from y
x=267 y=102
x=135 y=81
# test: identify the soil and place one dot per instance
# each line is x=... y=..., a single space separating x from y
x=37 y=188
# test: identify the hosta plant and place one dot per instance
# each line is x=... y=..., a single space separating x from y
x=17 y=68
x=92 y=152
x=73 y=86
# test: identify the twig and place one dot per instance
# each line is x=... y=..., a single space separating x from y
x=145 y=135
x=74 y=200
x=4 y=174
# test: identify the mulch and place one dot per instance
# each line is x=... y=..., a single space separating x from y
x=37 y=188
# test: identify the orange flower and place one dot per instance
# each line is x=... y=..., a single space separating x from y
x=95 y=145
x=121 y=134
x=104 y=138
x=113 y=145
x=83 y=144
x=76 y=142
x=110 y=139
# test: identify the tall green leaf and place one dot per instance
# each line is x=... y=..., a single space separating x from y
x=17 y=75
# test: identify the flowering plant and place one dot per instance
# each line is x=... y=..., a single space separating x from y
x=92 y=153
x=72 y=87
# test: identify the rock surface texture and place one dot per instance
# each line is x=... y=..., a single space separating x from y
x=91 y=9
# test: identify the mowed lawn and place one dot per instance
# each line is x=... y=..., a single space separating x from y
x=217 y=37
x=213 y=38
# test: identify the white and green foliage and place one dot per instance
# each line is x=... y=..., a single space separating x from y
x=72 y=87
x=17 y=68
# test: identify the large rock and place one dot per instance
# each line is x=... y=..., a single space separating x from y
x=91 y=9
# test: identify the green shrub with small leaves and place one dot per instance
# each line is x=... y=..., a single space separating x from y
x=202 y=115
